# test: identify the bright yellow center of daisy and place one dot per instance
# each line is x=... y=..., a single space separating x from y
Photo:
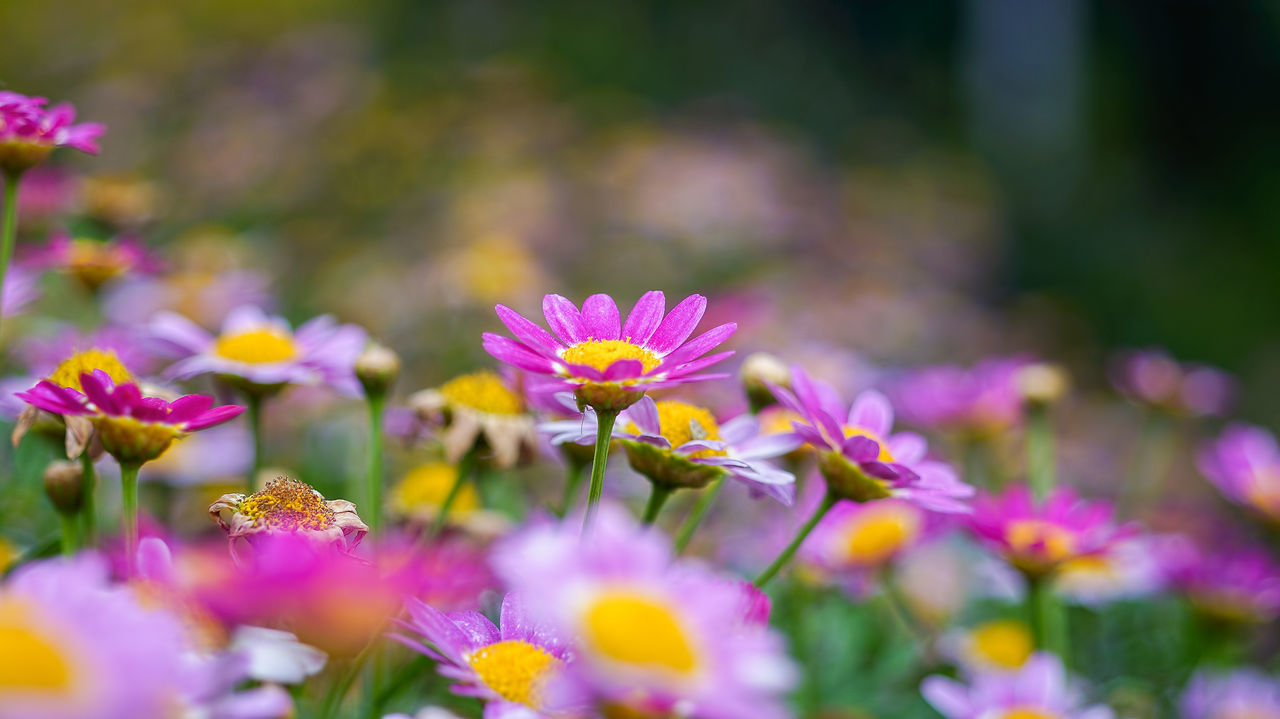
x=95 y=262
x=514 y=669
x=1093 y=565
x=881 y=533
x=427 y=487
x=638 y=630
x=29 y=661
x=600 y=354
x=1028 y=713
x=681 y=422
x=68 y=372
x=260 y=346
x=9 y=553
x=885 y=455
x=1054 y=542
x=485 y=391
x=1004 y=642
x=288 y=504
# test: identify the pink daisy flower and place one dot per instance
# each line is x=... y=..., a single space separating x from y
x=1041 y=689
x=29 y=131
x=1244 y=463
x=93 y=263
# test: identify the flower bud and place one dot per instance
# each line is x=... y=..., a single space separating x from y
x=1043 y=383
x=377 y=368
x=759 y=370
x=62 y=482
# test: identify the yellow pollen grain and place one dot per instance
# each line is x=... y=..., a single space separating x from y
x=289 y=505
x=601 y=354
x=1056 y=543
x=515 y=670
x=885 y=455
x=879 y=534
x=29 y=661
x=427 y=486
x=637 y=630
x=260 y=346
x=69 y=370
x=485 y=391
x=1004 y=642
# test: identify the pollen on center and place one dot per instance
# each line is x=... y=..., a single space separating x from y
x=69 y=370
x=600 y=354
x=259 y=346
x=484 y=391
x=289 y=505
x=514 y=669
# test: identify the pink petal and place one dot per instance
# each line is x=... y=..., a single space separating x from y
x=600 y=314
x=564 y=319
x=644 y=317
x=678 y=325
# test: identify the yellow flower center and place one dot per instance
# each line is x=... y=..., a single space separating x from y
x=289 y=505
x=638 y=630
x=485 y=391
x=68 y=372
x=880 y=532
x=885 y=455
x=1003 y=642
x=427 y=486
x=1028 y=713
x=95 y=262
x=9 y=554
x=514 y=669
x=1091 y=565
x=681 y=422
x=1055 y=543
x=30 y=661
x=260 y=346
x=600 y=354
x=139 y=440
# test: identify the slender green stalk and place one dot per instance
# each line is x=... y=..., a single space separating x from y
x=1040 y=461
x=828 y=502
x=466 y=468
x=129 y=487
x=9 y=223
x=371 y=689
x=1048 y=618
x=978 y=464
x=656 y=499
x=70 y=533
x=253 y=410
x=576 y=471
x=88 y=507
x=373 y=487
x=700 y=509
x=604 y=434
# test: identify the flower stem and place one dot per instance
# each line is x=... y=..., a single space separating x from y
x=571 y=485
x=604 y=434
x=1048 y=618
x=70 y=533
x=9 y=223
x=88 y=508
x=656 y=499
x=129 y=487
x=466 y=468
x=1040 y=462
x=699 y=511
x=828 y=502
x=253 y=409
x=373 y=488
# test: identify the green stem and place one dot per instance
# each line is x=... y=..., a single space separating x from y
x=1048 y=618
x=699 y=511
x=373 y=489
x=604 y=435
x=900 y=608
x=828 y=502
x=253 y=409
x=70 y=532
x=371 y=694
x=1040 y=462
x=977 y=464
x=571 y=485
x=1151 y=463
x=466 y=468
x=656 y=499
x=9 y=223
x=88 y=508
x=129 y=488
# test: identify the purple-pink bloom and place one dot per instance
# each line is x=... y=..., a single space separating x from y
x=1238 y=584
x=1240 y=694
x=91 y=262
x=29 y=131
x=979 y=400
x=859 y=456
x=1154 y=378
x=608 y=362
x=1244 y=463
x=1041 y=689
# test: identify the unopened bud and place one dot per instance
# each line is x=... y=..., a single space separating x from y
x=759 y=370
x=62 y=482
x=377 y=368
x=1043 y=383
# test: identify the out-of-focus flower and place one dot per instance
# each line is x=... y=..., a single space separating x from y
x=218 y=454
x=679 y=445
x=1041 y=689
x=21 y=288
x=123 y=202
x=1125 y=569
x=29 y=131
x=206 y=296
x=377 y=369
x=263 y=351
x=857 y=538
x=45 y=195
x=610 y=364
x=132 y=428
x=1153 y=378
x=507 y=666
x=480 y=410
x=1241 y=694
x=487 y=269
x=424 y=489
x=999 y=645
x=93 y=263
x=1244 y=463
x=654 y=637
x=43 y=354
x=760 y=370
x=859 y=458
x=276 y=656
x=982 y=400
x=1233 y=584
x=426 y=713
x=287 y=506
x=1039 y=538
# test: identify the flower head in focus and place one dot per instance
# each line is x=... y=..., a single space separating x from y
x=1244 y=464
x=29 y=131
x=1040 y=689
x=608 y=363
x=482 y=410
x=66 y=373
x=287 y=506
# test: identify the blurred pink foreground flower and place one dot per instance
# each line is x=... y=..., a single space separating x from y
x=29 y=131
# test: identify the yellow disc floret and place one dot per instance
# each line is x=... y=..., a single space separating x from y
x=641 y=631
x=94 y=263
x=1005 y=643
x=260 y=346
x=289 y=505
x=681 y=422
x=69 y=370
x=427 y=487
x=484 y=391
x=30 y=661
x=514 y=669
x=1028 y=713
x=1047 y=539
x=881 y=531
x=600 y=354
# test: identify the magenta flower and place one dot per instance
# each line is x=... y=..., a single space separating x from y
x=980 y=400
x=609 y=363
x=29 y=131
x=1041 y=689
x=1244 y=463
x=1039 y=538
x=859 y=457
x=1234 y=584
x=511 y=667
x=93 y=263
x=1241 y=694
x=1153 y=378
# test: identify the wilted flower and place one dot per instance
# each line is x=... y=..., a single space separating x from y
x=1041 y=689
x=93 y=263
x=610 y=364
x=29 y=131
x=287 y=506
x=508 y=666
x=1153 y=378
x=980 y=401
x=1244 y=463
x=1240 y=694
x=479 y=410
x=998 y=645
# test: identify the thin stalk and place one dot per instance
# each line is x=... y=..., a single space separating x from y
x=129 y=487
x=604 y=434
x=70 y=533
x=88 y=507
x=576 y=472
x=371 y=693
x=1040 y=461
x=978 y=464
x=466 y=468
x=9 y=223
x=253 y=410
x=696 y=515
x=656 y=499
x=1048 y=618
x=373 y=487
x=828 y=502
